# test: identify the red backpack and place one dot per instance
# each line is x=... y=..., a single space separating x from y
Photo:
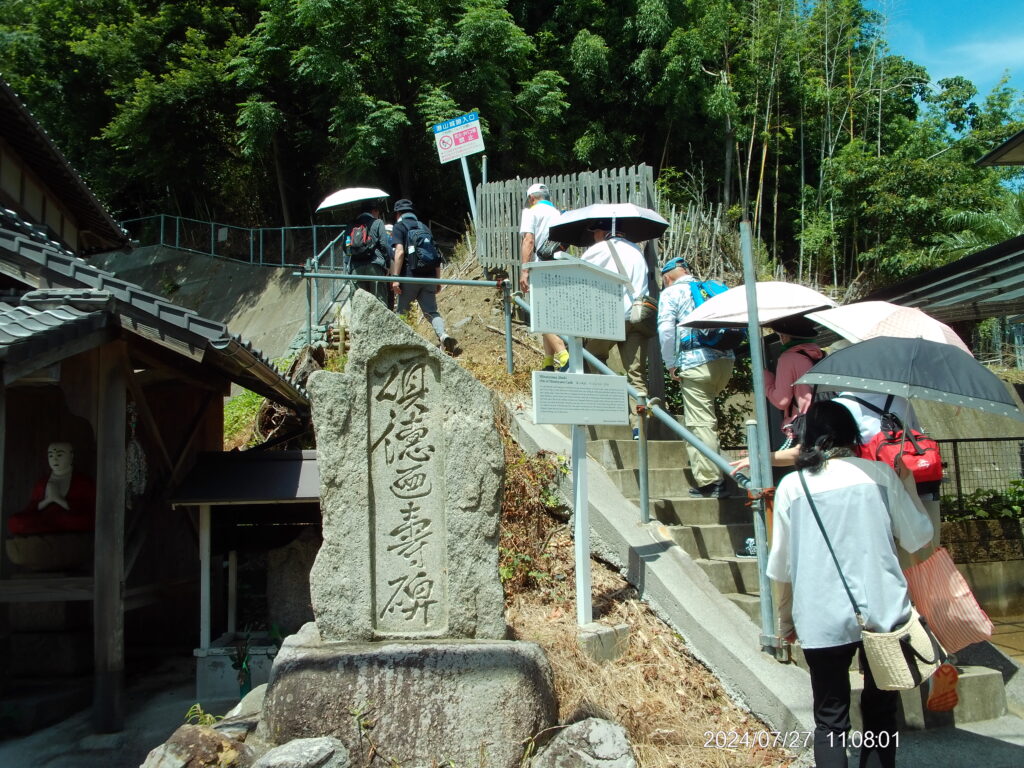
x=920 y=454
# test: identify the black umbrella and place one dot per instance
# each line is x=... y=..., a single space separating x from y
x=917 y=368
x=634 y=222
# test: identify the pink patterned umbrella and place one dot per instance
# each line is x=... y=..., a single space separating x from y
x=869 y=319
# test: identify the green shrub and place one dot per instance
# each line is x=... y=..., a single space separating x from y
x=986 y=504
x=240 y=416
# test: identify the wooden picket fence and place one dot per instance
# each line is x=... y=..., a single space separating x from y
x=500 y=204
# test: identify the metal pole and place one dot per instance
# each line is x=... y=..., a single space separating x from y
x=309 y=311
x=232 y=590
x=469 y=188
x=213 y=246
x=641 y=450
x=483 y=169
x=581 y=502
x=506 y=294
x=758 y=448
x=250 y=245
x=282 y=246
x=204 y=576
x=177 y=231
x=162 y=229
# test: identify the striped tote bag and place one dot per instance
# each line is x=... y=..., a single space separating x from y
x=941 y=594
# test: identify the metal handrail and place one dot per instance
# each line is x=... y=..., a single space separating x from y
x=666 y=418
x=258 y=239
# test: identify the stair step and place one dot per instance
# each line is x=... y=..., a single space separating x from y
x=711 y=541
x=600 y=432
x=693 y=511
x=731 y=574
x=750 y=603
x=980 y=689
x=660 y=482
x=624 y=454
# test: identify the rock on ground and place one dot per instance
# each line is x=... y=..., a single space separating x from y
x=323 y=752
x=198 y=746
x=590 y=743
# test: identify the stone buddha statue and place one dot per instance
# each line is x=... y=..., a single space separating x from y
x=64 y=501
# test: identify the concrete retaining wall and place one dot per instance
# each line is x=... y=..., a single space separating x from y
x=264 y=305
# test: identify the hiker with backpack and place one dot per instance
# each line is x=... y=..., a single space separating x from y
x=700 y=361
x=799 y=354
x=417 y=255
x=367 y=249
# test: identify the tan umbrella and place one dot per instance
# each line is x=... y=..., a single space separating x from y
x=775 y=300
x=870 y=319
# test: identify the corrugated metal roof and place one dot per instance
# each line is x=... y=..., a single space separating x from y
x=989 y=283
x=27 y=255
x=30 y=142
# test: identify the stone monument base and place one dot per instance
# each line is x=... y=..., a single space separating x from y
x=473 y=702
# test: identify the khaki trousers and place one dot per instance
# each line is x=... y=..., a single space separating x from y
x=633 y=354
x=700 y=386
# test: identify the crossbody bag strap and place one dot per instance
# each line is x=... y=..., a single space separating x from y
x=622 y=269
x=828 y=543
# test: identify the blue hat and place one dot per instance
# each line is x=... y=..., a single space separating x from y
x=671 y=264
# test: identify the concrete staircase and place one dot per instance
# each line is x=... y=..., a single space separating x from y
x=711 y=531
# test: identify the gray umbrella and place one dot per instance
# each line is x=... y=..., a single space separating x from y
x=634 y=222
x=917 y=368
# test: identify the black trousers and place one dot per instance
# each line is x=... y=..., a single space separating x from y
x=830 y=686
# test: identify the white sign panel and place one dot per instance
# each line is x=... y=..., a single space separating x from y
x=576 y=299
x=579 y=398
x=458 y=137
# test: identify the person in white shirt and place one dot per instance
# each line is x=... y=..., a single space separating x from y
x=864 y=508
x=615 y=253
x=534 y=224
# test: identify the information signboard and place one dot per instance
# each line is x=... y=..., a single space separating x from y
x=579 y=398
x=574 y=298
x=458 y=137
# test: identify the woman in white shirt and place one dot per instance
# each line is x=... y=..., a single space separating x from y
x=863 y=507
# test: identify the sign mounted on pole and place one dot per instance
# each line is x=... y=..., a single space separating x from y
x=458 y=137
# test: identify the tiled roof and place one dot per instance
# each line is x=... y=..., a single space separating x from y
x=30 y=257
x=31 y=143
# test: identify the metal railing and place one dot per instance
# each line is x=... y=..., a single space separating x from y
x=979 y=464
x=262 y=246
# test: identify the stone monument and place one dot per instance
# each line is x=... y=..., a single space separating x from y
x=408 y=652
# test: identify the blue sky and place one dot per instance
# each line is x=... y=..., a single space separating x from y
x=978 y=39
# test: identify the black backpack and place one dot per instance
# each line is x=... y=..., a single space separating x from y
x=363 y=245
x=421 y=251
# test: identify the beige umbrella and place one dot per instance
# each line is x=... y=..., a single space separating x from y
x=870 y=319
x=775 y=300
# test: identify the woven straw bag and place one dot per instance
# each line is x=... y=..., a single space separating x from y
x=904 y=658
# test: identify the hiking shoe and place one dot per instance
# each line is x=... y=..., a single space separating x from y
x=561 y=361
x=451 y=346
x=749 y=549
x=636 y=433
x=711 y=491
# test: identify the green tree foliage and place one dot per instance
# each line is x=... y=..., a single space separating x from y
x=854 y=167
